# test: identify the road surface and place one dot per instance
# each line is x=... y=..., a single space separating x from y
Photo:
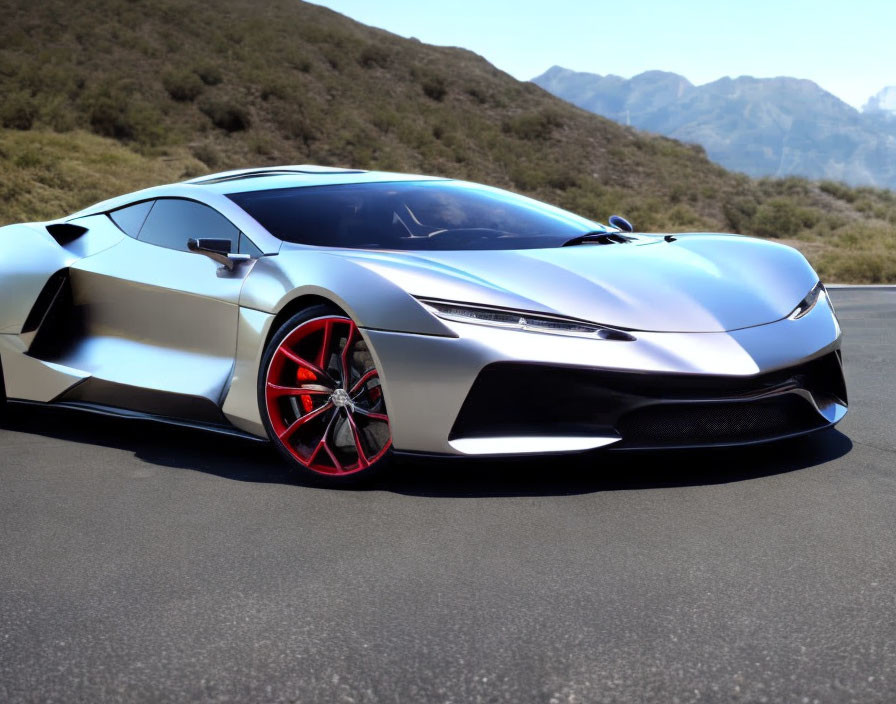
x=143 y=563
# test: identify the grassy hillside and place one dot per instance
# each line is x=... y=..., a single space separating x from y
x=103 y=97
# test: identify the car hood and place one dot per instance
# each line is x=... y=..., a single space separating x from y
x=696 y=283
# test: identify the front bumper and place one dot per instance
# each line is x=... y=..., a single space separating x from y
x=490 y=391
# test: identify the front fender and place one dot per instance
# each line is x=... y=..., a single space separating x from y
x=372 y=300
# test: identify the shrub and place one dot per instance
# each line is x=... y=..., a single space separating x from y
x=296 y=126
x=209 y=73
x=868 y=267
x=435 y=88
x=385 y=119
x=562 y=178
x=18 y=111
x=527 y=178
x=682 y=216
x=295 y=58
x=739 y=213
x=374 y=56
x=273 y=87
x=333 y=54
x=838 y=190
x=532 y=126
x=477 y=94
x=207 y=154
x=781 y=217
x=226 y=114
x=182 y=86
x=107 y=114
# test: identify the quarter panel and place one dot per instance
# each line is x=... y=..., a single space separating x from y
x=28 y=257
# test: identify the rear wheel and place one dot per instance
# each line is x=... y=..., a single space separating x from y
x=321 y=399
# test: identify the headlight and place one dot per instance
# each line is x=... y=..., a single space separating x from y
x=521 y=320
x=808 y=303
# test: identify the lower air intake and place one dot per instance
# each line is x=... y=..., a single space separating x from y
x=684 y=424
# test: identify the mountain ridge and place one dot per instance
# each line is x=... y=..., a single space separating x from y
x=778 y=127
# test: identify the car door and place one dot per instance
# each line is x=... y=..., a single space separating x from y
x=159 y=322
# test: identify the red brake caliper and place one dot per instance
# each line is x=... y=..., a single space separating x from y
x=304 y=376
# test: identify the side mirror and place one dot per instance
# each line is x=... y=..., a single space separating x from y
x=620 y=223
x=218 y=250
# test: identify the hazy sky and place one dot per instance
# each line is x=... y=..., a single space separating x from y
x=849 y=48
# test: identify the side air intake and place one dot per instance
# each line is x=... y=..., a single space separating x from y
x=64 y=233
x=50 y=292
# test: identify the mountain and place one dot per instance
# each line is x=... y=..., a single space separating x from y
x=105 y=97
x=759 y=126
x=882 y=102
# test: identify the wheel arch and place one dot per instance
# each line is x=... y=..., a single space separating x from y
x=257 y=331
x=305 y=300
x=295 y=305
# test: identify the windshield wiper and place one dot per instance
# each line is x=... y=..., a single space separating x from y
x=598 y=237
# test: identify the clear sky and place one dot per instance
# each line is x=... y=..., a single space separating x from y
x=848 y=48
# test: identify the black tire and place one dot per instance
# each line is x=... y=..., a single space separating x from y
x=357 y=418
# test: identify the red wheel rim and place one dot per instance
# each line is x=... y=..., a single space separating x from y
x=324 y=398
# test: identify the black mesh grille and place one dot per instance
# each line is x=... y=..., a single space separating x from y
x=718 y=423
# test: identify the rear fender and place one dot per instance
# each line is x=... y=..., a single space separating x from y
x=30 y=255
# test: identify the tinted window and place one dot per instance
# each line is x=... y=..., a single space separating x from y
x=130 y=219
x=172 y=222
x=430 y=215
x=248 y=247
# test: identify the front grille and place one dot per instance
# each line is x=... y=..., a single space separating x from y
x=677 y=424
x=515 y=399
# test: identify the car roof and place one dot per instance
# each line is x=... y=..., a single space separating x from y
x=261 y=179
x=257 y=179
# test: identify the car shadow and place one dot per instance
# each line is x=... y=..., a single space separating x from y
x=243 y=460
x=613 y=471
x=160 y=444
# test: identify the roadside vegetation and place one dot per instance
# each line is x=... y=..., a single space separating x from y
x=105 y=97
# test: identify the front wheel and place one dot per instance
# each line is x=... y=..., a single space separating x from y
x=321 y=399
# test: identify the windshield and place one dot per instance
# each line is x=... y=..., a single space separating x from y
x=411 y=215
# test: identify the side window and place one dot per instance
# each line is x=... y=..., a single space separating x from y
x=130 y=218
x=172 y=222
x=247 y=246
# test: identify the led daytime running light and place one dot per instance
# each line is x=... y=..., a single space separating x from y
x=808 y=303
x=521 y=320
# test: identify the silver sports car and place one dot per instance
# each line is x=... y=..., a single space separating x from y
x=350 y=315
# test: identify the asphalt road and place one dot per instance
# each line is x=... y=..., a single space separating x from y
x=140 y=563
